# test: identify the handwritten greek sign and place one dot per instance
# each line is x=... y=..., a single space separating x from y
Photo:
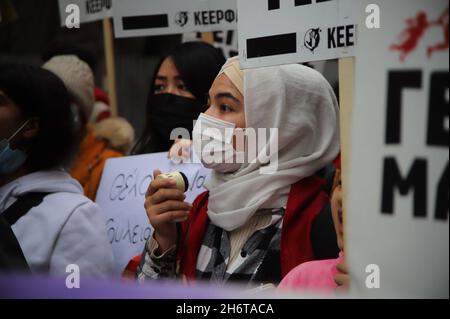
x=121 y=196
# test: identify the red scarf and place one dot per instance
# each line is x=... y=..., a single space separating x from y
x=306 y=200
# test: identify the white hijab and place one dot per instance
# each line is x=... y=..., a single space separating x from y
x=301 y=104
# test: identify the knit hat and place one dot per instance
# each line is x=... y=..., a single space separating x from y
x=78 y=78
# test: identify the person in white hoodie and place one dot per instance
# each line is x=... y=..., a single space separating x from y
x=37 y=141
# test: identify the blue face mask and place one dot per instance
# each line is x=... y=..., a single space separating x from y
x=11 y=160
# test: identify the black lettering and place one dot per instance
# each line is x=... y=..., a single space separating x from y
x=298 y=3
x=212 y=17
x=135 y=234
x=441 y=209
x=272 y=45
x=134 y=184
x=416 y=181
x=340 y=36
x=397 y=82
x=145 y=22
x=144 y=184
x=229 y=16
x=200 y=182
x=349 y=35
x=220 y=16
x=437 y=133
x=110 y=232
x=127 y=233
x=147 y=233
x=118 y=235
x=192 y=184
x=331 y=39
x=124 y=193
x=197 y=18
x=116 y=185
x=217 y=37
x=230 y=34
x=205 y=17
x=95 y=6
x=273 y=4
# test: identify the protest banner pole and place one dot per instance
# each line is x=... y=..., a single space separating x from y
x=346 y=94
x=108 y=41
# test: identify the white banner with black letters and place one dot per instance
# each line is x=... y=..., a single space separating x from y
x=135 y=18
x=274 y=32
x=397 y=218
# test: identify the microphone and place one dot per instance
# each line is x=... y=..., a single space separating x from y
x=179 y=177
x=182 y=185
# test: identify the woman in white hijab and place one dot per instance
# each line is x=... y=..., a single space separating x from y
x=256 y=221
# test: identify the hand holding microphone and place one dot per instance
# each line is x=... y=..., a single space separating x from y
x=165 y=205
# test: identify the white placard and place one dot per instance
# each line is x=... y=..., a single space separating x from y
x=121 y=197
x=226 y=40
x=274 y=32
x=136 y=18
x=90 y=10
x=397 y=218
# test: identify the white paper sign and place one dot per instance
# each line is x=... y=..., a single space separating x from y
x=136 y=18
x=274 y=32
x=121 y=197
x=397 y=218
x=90 y=10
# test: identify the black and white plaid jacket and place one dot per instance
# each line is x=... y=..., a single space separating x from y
x=259 y=260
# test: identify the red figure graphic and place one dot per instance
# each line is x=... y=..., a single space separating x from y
x=443 y=23
x=416 y=28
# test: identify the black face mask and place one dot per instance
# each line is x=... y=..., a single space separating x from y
x=169 y=111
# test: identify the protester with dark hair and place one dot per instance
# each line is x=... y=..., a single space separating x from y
x=54 y=223
x=178 y=93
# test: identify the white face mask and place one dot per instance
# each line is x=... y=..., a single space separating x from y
x=213 y=144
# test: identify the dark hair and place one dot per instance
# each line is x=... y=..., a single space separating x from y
x=198 y=64
x=40 y=94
